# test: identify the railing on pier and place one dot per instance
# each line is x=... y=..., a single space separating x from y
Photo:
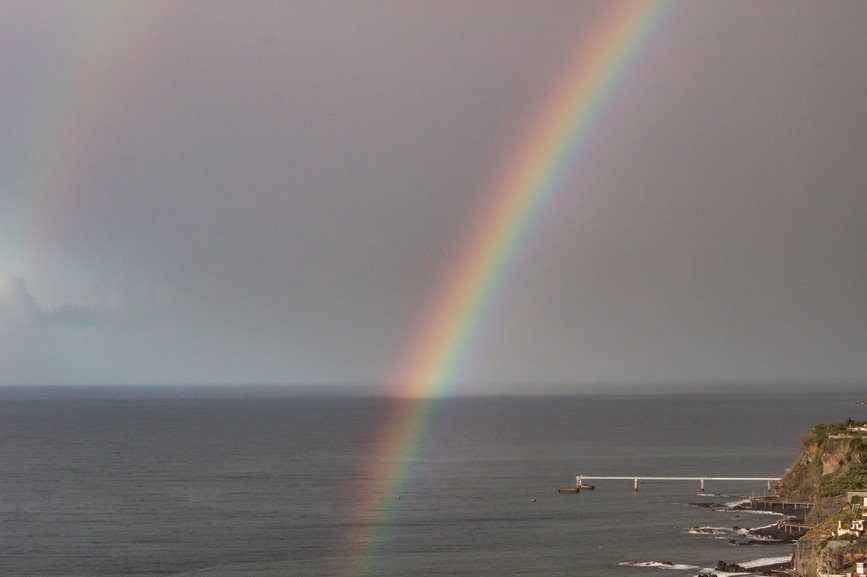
x=579 y=480
x=775 y=503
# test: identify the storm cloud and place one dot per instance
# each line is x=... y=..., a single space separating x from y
x=277 y=193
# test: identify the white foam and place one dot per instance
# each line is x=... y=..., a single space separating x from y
x=748 y=532
x=766 y=561
x=732 y=506
x=728 y=532
x=708 y=530
x=659 y=565
x=762 y=538
x=751 y=512
x=763 y=562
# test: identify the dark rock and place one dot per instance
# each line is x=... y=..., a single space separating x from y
x=724 y=567
x=708 y=505
x=776 y=534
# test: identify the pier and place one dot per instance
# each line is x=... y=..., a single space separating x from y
x=794 y=508
x=636 y=480
x=797 y=526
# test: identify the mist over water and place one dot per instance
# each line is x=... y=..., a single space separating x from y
x=131 y=484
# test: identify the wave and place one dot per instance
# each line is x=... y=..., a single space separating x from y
x=659 y=565
x=749 y=567
x=764 y=561
x=740 y=506
x=775 y=513
x=735 y=535
x=750 y=532
x=708 y=530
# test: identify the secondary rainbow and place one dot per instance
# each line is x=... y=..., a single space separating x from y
x=84 y=73
x=554 y=144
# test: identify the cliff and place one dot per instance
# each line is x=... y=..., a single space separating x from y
x=832 y=463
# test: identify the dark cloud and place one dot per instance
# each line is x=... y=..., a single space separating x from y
x=76 y=316
x=18 y=308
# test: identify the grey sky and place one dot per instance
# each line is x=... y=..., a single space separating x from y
x=265 y=192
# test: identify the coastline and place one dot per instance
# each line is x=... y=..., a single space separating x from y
x=772 y=534
x=763 y=566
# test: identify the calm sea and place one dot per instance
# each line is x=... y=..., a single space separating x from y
x=107 y=484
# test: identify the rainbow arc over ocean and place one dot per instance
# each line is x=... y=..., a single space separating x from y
x=110 y=37
x=563 y=127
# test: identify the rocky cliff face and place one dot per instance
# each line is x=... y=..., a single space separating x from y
x=806 y=561
x=833 y=461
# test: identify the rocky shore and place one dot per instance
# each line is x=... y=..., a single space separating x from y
x=723 y=567
x=768 y=535
x=831 y=476
x=774 y=534
x=822 y=500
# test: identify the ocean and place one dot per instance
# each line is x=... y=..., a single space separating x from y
x=100 y=482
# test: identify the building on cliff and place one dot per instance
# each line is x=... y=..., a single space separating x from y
x=854 y=527
x=831 y=473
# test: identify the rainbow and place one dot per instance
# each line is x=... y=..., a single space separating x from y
x=100 y=48
x=516 y=202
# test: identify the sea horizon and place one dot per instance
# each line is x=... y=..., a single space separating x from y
x=264 y=390
x=103 y=484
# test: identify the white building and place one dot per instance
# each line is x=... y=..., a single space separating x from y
x=855 y=527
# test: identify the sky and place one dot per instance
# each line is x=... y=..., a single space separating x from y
x=278 y=192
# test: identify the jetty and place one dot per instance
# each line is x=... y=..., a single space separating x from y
x=786 y=507
x=796 y=526
x=637 y=480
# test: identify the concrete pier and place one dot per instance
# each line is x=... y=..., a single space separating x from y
x=794 y=508
x=636 y=480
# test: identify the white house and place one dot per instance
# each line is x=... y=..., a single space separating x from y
x=855 y=527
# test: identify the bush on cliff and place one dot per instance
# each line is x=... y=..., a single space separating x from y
x=851 y=477
x=833 y=461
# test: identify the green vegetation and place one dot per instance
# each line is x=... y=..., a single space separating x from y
x=833 y=461
x=853 y=479
x=845 y=453
x=821 y=432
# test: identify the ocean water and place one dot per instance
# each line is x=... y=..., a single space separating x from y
x=107 y=484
